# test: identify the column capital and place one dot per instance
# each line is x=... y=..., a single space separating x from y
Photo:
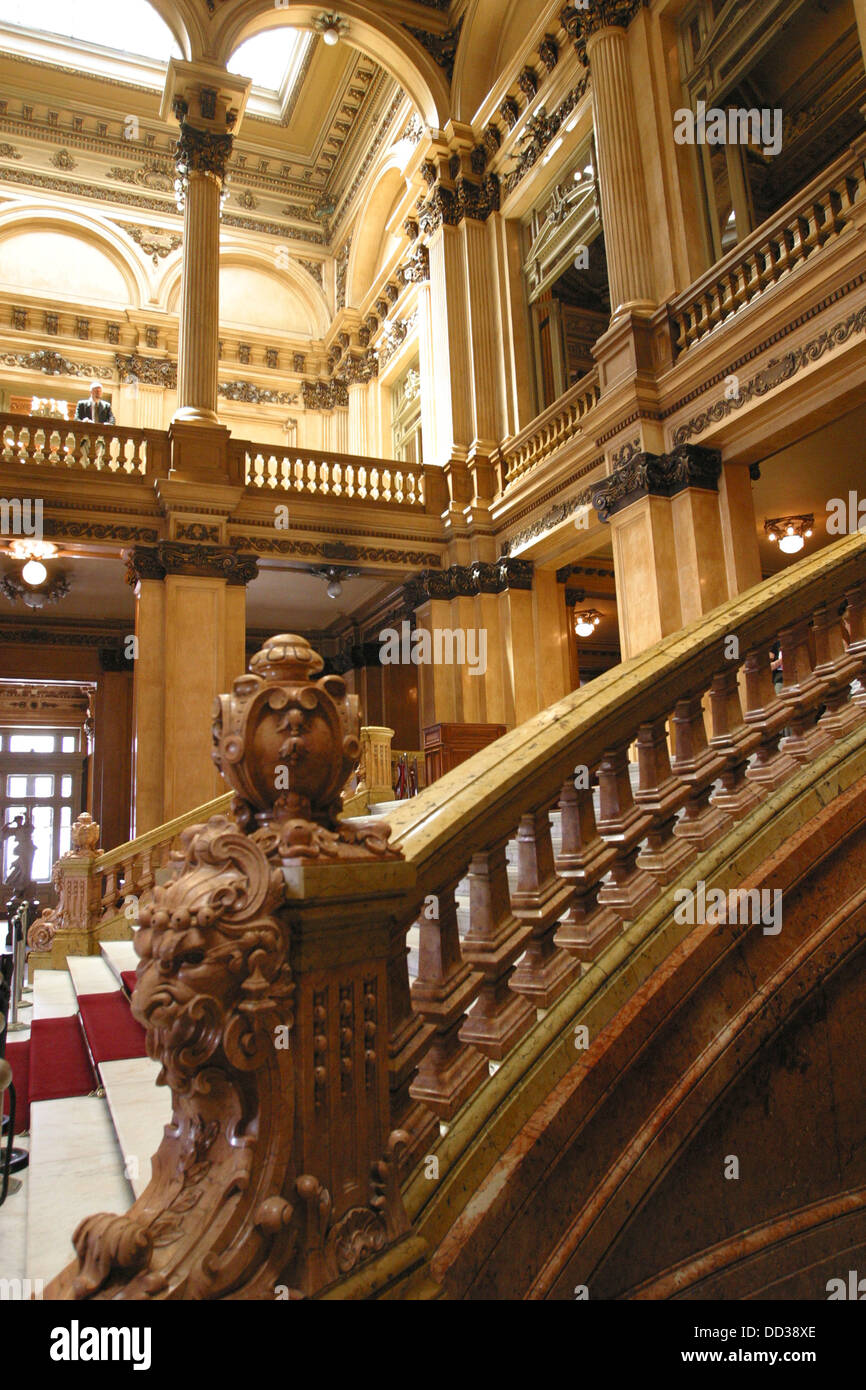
x=583 y=23
x=655 y=475
x=192 y=559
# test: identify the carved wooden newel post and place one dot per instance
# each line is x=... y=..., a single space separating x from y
x=263 y=989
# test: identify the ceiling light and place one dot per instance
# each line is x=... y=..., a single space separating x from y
x=332 y=28
x=34 y=573
x=331 y=37
x=790 y=533
x=586 y=622
x=335 y=588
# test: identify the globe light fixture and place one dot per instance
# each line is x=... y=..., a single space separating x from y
x=790 y=533
x=335 y=588
x=586 y=622
x=34 y=573
x=332 y=28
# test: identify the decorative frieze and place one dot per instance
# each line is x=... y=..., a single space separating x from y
x=19 y=318
x=269 y=544
x=540 y=130
x=148 y=371
x=361 y=369
x=314 y=268
x=62 y=159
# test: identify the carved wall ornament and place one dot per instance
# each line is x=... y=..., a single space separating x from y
x=441 y=47
x=448 y=207
x=528 y=83
x=324 y=395
x=82 y=329
x=465 y=581
x=62 y=159
x=149 y=371
x=510 y=112
x=540 y=130
x=51 y=323
x=54 y=364
x=626 y=452
x=314 y=268
x=156 y=242
x=9 y=151
x=154 y=173
x=19 y=318
x=255 y=395
x=361 y=369
x=376 y=555
x=548 y=52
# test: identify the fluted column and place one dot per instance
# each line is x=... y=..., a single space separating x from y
x=623 y=191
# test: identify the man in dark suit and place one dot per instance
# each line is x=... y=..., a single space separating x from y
x=94 y=408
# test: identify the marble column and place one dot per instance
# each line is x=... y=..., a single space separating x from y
x=208 y=103
x=191 y=627
x=623 y=192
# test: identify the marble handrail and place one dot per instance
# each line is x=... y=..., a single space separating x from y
x=475 y=993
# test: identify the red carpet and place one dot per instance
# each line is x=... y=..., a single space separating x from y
x=112 y=1032
x=59 y=1064
x=18 y=1057
x=128 y=978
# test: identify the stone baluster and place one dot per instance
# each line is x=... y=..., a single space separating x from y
x=855 y=617
x=836 y=667
x=583 y=861
x=803 y=692
x=624 y=825
x=446 y=985
x=499 y=1017
x=696 y=764
x=736 y=740
x=540 y=899
x=408 y=1039
x=662 y=795
x=768 y=714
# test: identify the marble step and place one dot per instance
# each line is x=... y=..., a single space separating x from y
x=119 y=956
x=90 y=975
x=139 y=1110
x=76 y=1169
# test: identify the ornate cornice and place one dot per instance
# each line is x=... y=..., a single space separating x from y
x=655 y=475
x=540 y=130
x=441 y=47
x=98 y=531
x=334 y=550
x=192 y=559
x=149 y=371
x=202 y=151
x=580 y=23
x=465 y=581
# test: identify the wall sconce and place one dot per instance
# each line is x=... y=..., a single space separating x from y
x=790 y=533
x=586 y=622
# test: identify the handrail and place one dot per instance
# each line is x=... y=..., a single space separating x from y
x=164 y=834
x=554 y=427
x=475 y=992
x=113 y=450
x=815 y=215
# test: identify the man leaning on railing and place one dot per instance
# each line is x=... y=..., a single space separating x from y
x=94 y=408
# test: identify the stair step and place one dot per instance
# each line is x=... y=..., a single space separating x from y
x=119 y=956
x=90 y=975
x=140 y=1110
x=76 y=1169
x=53 y=994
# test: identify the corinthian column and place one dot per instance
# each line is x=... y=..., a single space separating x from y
x=623 y=192
x=208 y=103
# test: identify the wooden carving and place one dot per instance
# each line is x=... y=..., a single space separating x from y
x=277 y=1175
x=76 y=896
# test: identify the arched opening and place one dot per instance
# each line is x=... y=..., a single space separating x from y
x=136 y=28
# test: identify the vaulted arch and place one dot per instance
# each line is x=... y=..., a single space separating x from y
x=368 y=241
x=385 y=40
x=259 y=291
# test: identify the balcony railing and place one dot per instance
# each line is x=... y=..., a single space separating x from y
x=311 y=473
x=549 y=431
x=35 y=441
x=818 y=214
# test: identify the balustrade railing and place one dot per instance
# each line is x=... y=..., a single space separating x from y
x=35 y=441
x=344 y=477
x=548 y=432
x=818 y=214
